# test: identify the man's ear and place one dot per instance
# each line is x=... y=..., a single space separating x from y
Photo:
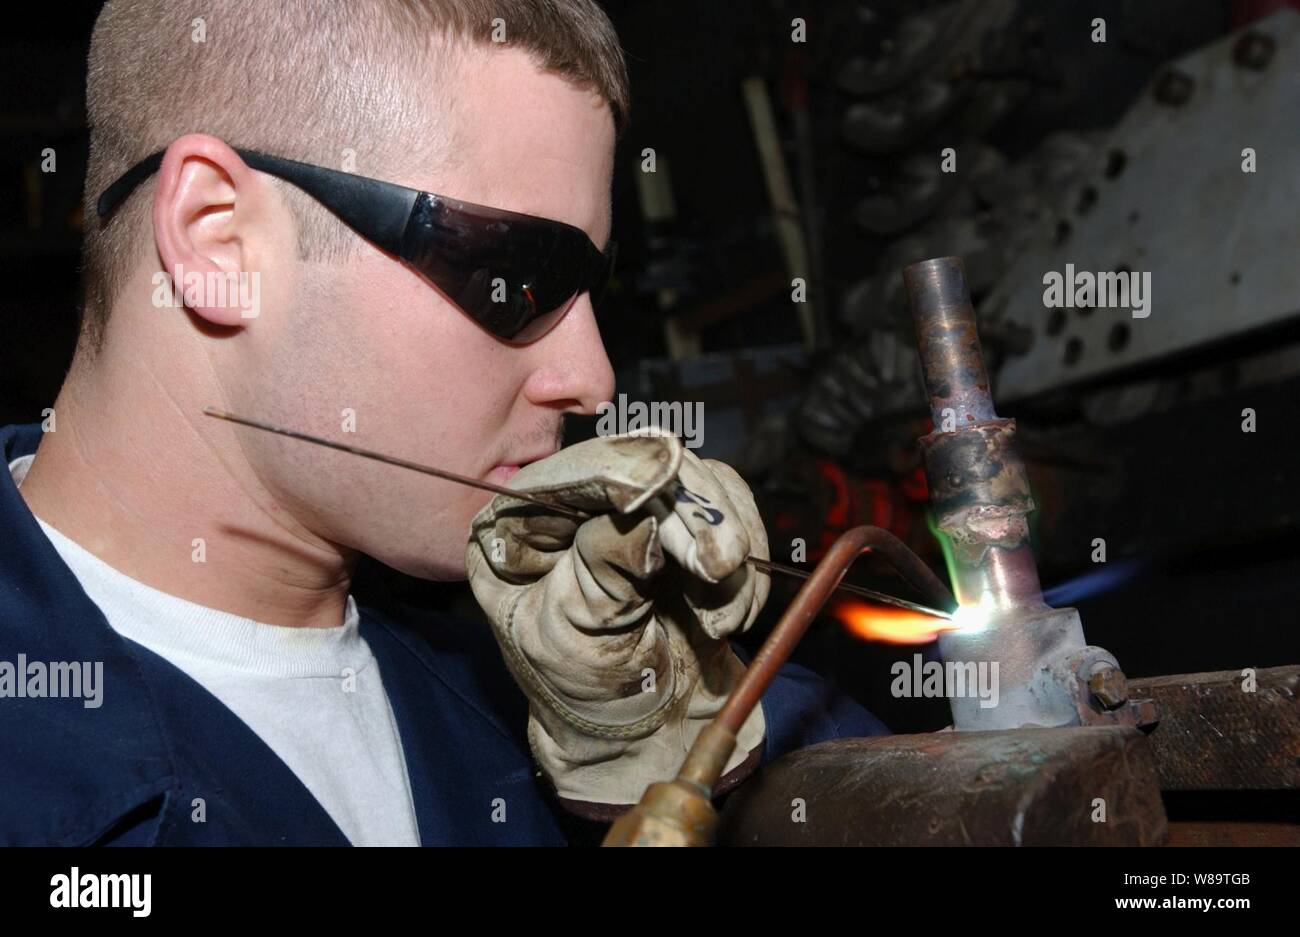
x=209 y=223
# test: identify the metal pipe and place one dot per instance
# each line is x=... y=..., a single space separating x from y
x=978 y=483
x=1006 y=579
x=951 y=359
x=981 y=498
x=980 y=493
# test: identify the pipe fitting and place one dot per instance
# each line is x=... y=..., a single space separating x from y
x=1047 y=675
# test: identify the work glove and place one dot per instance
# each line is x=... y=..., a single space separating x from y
x=616 y=627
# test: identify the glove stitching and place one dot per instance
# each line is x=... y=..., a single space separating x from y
x=530 y=675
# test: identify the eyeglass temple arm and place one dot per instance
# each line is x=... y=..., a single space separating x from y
x=378 y=211
x=116 y=193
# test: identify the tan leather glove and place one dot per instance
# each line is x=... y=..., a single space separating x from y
x=616 y=628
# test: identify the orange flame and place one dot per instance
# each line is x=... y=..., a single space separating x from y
x=891 y=625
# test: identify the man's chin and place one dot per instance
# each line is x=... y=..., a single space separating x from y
x=449 y=569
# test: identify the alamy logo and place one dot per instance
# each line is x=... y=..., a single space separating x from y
x=669 y=418
x=950 y=680
x=75 y=890
x=60 y=679
x=1114 y=289
x=216 y=289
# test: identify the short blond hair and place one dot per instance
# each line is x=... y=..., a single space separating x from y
x=303 y=79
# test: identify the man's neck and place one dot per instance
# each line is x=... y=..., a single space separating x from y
x=127 y=474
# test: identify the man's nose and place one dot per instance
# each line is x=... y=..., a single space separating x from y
x=572 y=368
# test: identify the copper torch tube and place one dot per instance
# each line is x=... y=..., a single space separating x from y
x=706 y=760
x=809 y=601
x=680 y=812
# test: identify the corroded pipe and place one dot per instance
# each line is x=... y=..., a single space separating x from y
x=978 y=484
x=980 y=493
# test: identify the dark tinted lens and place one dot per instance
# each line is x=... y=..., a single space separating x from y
x=596 y=271
x=515 y=275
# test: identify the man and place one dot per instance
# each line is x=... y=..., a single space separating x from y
x=201 y=571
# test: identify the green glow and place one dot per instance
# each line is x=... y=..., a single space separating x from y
x=946 y=546
x=968 y=617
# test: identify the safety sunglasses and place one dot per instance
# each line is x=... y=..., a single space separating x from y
x=516 y=275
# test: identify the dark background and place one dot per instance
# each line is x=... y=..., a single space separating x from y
x=1206 y=523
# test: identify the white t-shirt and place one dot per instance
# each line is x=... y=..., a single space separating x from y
x=313 y=695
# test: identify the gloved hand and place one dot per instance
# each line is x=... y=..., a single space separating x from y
x=616 y=627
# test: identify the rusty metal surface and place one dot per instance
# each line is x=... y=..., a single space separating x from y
x=1101 y=692
x=1233 y=817
x=1214 y=735
x=1228 y=833
x=1017 y=787
x=1108 y=685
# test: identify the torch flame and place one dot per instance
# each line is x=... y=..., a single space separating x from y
x=891 y=625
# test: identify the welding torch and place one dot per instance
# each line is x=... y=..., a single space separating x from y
x=899 y=556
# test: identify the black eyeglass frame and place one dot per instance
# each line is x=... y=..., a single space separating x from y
x=451 y=243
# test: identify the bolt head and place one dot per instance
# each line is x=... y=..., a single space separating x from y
x=1108 y=686
x=1173 y=88
x=1253 y=50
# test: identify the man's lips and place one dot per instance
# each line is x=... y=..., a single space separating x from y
x=502 y=472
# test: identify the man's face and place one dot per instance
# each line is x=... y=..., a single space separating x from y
x=371 y=338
